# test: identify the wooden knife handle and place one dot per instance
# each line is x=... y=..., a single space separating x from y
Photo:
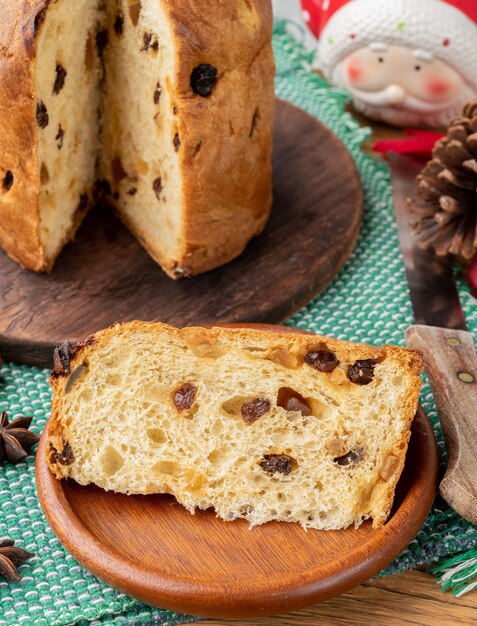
x=451 y=364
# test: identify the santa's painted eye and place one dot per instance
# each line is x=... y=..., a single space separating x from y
x=380 y=59
x=418 y=68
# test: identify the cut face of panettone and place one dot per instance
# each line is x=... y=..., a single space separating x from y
x=49 y=127
x=142 y=103
x=67 y=103
x=258 y=425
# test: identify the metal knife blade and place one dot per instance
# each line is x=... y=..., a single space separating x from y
x=434 y=296
x=448 y=349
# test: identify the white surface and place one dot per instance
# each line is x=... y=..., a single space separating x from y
x=291 y=9
x=287 y=8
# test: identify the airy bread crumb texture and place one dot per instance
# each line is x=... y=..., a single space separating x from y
x=68 y=96
x=140 y=154
x=258 y=425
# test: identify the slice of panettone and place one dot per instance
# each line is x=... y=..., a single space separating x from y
x=258 y=425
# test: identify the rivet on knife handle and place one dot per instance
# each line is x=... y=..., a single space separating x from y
x=451 y=364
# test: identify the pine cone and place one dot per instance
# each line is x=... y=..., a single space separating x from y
x=446 y=220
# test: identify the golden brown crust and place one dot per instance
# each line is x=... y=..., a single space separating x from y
x=226 y=138
x=410 y=361
x=409 y=364
x=19 y=206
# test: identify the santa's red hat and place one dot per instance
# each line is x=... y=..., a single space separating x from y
x=446 y=28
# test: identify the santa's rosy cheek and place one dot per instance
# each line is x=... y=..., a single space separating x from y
x=355 y=72
x=438 y=87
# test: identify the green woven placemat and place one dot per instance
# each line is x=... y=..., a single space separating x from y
x=368 y=302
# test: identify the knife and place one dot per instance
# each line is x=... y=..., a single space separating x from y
x=440 y=333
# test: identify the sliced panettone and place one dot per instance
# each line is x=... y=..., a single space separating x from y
x=258 y=425
x=169 y=105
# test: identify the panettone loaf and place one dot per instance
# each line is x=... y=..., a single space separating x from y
x=184 y=93
x=258 y=425
x=49 y=103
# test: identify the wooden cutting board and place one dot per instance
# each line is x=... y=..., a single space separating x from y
x=105 y=276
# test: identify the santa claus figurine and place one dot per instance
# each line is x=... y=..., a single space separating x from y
x=405 y=62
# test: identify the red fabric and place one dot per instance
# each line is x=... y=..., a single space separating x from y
x=469 y=7
x=314 y=21
x=420 y=142
x=321 y=11
x=329 y=8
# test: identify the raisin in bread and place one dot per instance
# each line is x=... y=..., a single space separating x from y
x=49 y=103
x=184 y=93
x=258 y=425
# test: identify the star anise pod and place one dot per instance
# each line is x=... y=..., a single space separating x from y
x=444 y=216
x=15 y=438
x=10 y=557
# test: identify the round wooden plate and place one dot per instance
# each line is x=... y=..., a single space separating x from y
x=105 y=276
x=154 y=550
